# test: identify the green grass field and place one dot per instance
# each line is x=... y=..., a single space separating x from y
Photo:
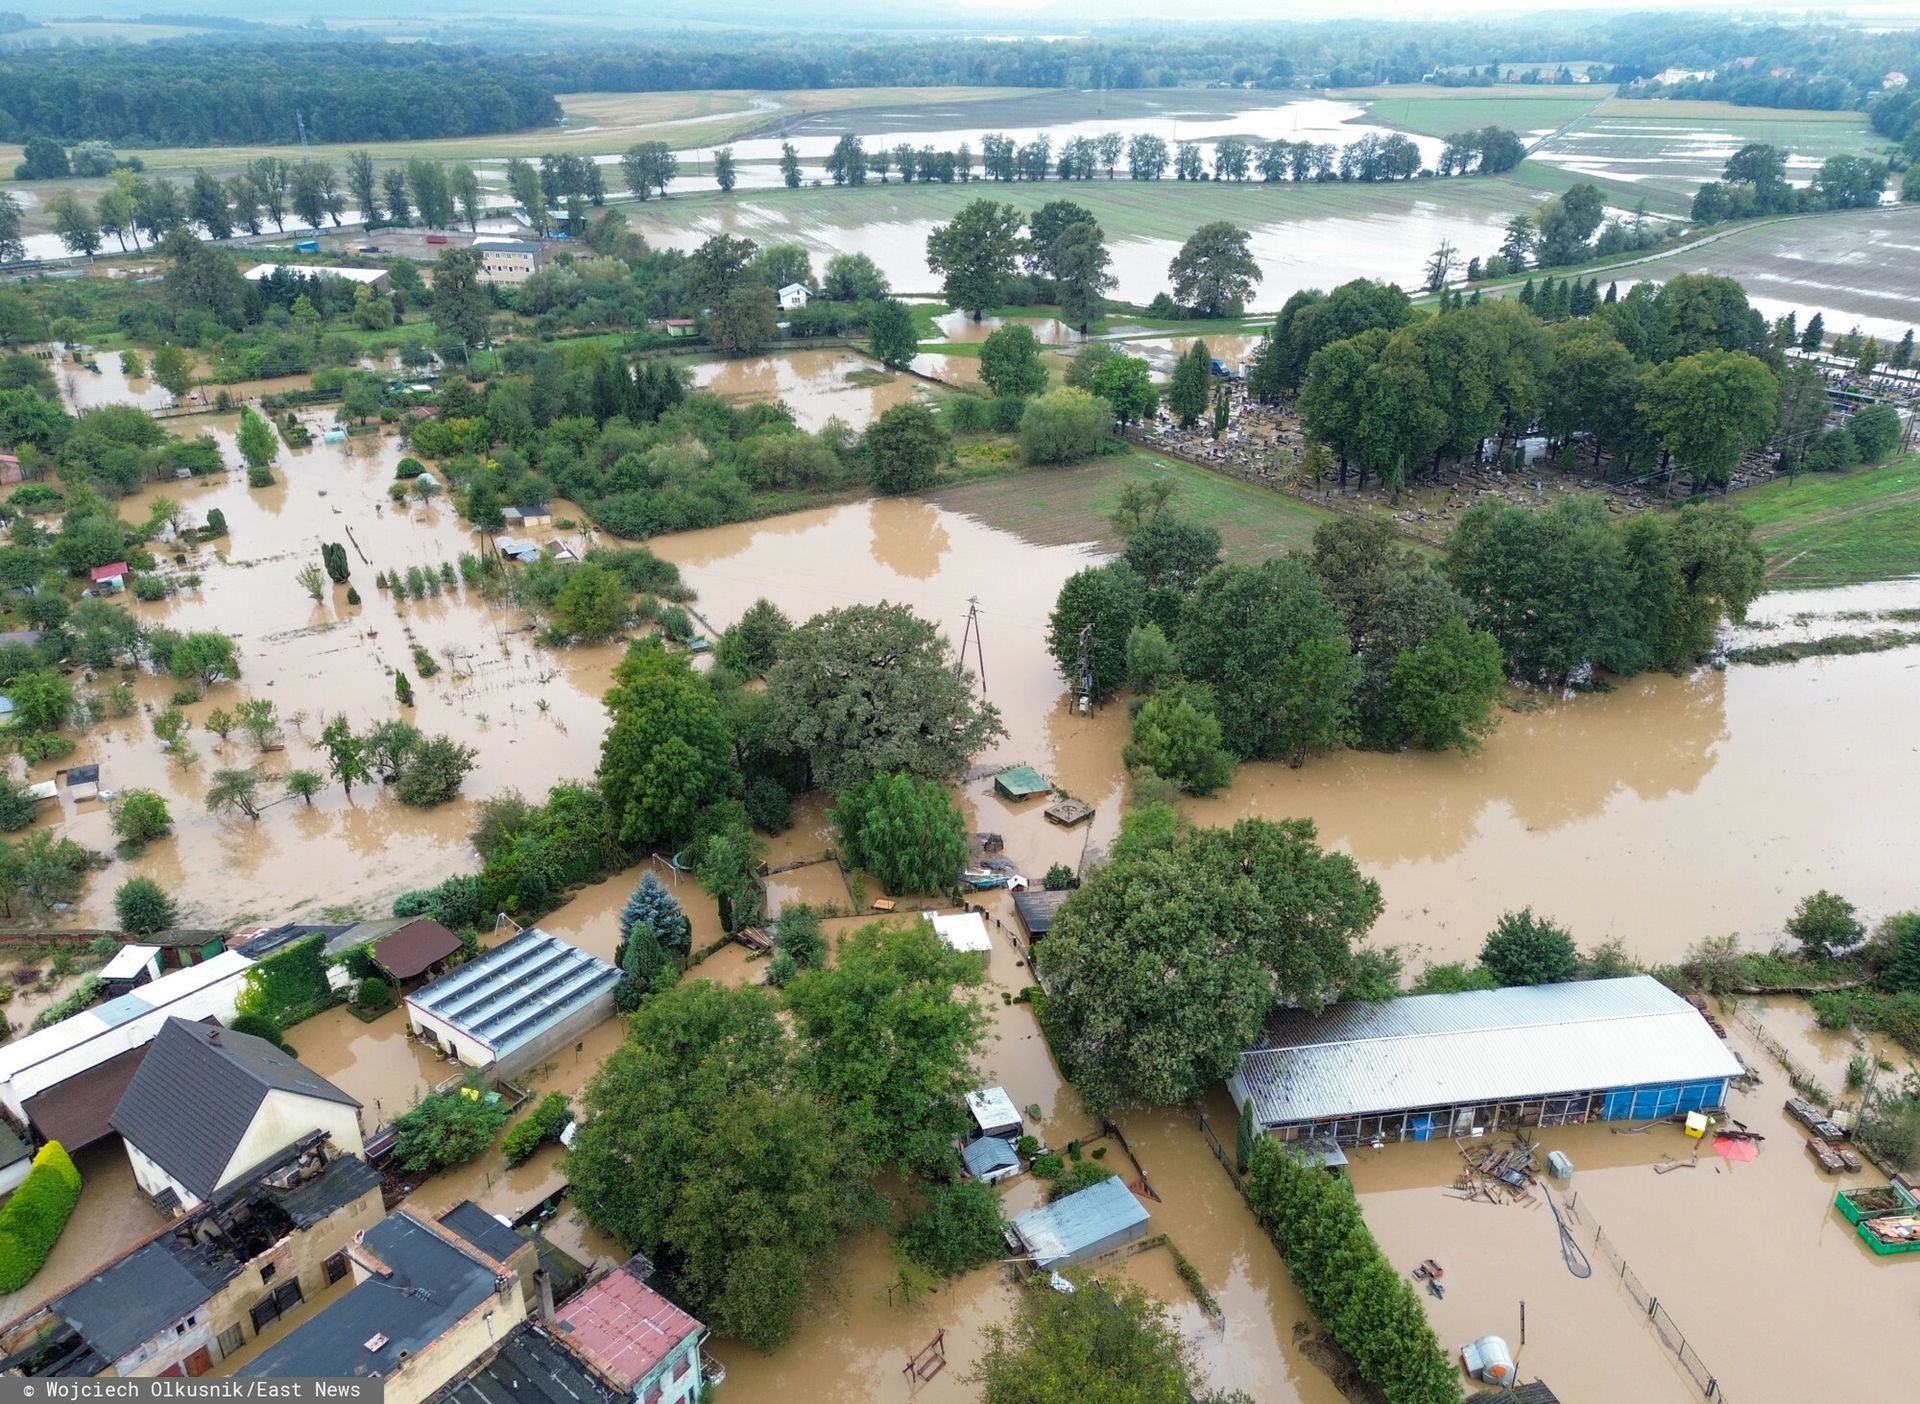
x=1444 y=111
x=1061 y=505
x=1839 y=529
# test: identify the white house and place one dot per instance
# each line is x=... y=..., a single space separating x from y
x=634 y=1338
x=794 y=296
x=208 y=1106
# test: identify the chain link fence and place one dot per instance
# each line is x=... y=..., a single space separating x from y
x=1607 y=1257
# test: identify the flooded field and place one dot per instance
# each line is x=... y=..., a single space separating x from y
x=1302 y=235
x=341 y=853
x=1856 y=268
x=816 y=385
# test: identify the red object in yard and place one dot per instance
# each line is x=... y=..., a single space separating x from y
x=436 y=238
x=109 y=572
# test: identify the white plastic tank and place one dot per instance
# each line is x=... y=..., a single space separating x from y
x=1488 y=1360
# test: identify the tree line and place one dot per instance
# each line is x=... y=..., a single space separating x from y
x=1373 y=157
x=1682 y=377
x=247 y=93
x=1754 y=183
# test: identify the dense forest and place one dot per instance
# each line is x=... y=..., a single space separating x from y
x=210 y=91
x=211 y=94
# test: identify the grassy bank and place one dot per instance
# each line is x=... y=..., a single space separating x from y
x=1839 y=529
x=1063 y=505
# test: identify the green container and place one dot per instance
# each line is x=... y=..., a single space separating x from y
x=1885 y=1250
x=1853 y=1213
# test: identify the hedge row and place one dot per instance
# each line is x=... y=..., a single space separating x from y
x=31 y=1221
x=1365 y=1304
x=548 y=1120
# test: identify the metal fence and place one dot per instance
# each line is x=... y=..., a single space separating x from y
x=1671 y=1336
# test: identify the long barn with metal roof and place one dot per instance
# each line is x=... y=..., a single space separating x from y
x=515 y=1004
x=1425 y=1066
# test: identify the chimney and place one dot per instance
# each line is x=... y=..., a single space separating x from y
x=214 y=1038
x=545 y=1279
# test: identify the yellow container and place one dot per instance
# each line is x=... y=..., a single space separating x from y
x=1697 y=1124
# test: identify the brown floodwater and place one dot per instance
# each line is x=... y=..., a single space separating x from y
x=816 y=385
x=1049 y=331
x=1657 y=813
x=110 y=1218
x=532 y=713
x=1750 y=1260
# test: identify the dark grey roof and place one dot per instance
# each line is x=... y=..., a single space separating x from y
x=483 y=1231
x=12 y=1148
x=1038 y=909
x=310 y=1202
x=1531 y=1393
x=431 y=1285
x=189 y=1106
x=529 y=1368
x=143 y=1293
x=280 y=937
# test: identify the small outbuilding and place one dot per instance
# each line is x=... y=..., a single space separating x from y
x=516 y=548
x=108 y=578
x=82 y=781
x=415 y=948
x=515 y=1004
x=964 y=931
x=129 y=966
x=994 y=1114
x=1038 y=910
x=1085 y=1225
x=1017 y=782
x=990 y=1159
x=794 y=296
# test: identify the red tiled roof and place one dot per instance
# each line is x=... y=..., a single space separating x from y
x=623 y=1328
x=109 y=572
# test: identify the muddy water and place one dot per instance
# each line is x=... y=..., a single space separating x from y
x=815 y=385
x=1751 y=1260
x=1164 y=353
x=1822 y=1054
x=1606 y=811
x=110 y=1218
x=954 y=370
x=340 y=852
x=1295 y=249
x=1049 y=331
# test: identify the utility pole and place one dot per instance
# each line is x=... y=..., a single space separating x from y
x=972 y=631
x=300 y=121
x=1083 y=669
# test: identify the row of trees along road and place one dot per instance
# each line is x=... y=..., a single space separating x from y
x=981 y=249
x=1373 y=157
x=1685 y=377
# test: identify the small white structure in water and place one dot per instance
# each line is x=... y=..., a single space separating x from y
x=964 y=931
x=994 y=1113
x=1488 y=1360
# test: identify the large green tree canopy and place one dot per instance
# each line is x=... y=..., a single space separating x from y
x=1163 y=967
x=868 y=690
x=669 y=751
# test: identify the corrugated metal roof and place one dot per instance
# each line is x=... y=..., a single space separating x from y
x=1062 y=1229
x=1482 y=1046
x=517 y=990
x=623 y=1328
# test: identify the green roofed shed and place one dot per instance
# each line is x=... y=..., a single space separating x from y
x=1019 y=781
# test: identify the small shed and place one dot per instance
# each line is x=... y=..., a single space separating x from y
x=108 y=578
x=415 y=948
x=10 y=472
x=990 y=1160
x=1038 y=910
x=515 y=548
x=680 y=326
x=130 y=966
x=1068 y=812
x=1017 y=782
x=82 y=781
x=42 y=789
x=994 y=1113
x=1083 y=1226
x=794 y=296
x=964 y=931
